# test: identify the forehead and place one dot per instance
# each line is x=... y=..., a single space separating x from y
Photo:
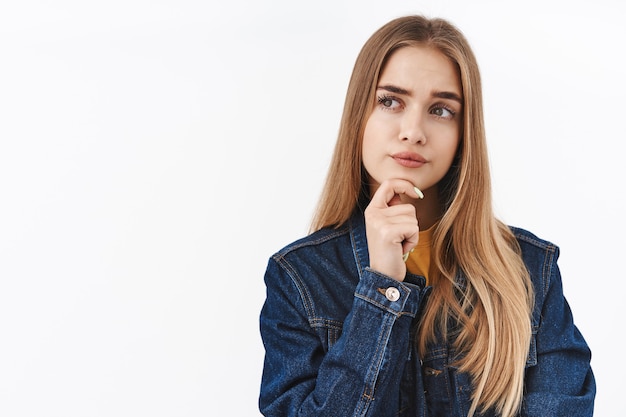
x=425 y=66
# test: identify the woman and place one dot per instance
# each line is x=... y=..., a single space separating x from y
x=409 y=297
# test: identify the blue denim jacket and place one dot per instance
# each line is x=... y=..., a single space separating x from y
x=339 y=338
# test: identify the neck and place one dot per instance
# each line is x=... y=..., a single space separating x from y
x=428 y=209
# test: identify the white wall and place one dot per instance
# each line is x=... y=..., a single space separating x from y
x=154 y=154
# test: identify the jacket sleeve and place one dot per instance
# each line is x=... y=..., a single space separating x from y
x=561 y=382
x=300 y=378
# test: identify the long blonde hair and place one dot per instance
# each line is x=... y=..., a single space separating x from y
x=490 y=308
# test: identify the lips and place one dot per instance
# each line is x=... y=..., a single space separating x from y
x=409 y=159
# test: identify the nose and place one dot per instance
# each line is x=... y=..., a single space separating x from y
x=412 y=128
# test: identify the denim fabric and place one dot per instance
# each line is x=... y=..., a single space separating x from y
x=339 y=343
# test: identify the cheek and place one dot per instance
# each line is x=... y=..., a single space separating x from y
x=449 y=141
x=451 y=151
x=377 y=129
x=451 y=148
x=445 y=146
x=369 y=138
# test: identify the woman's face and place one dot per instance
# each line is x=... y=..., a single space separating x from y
x=413 y=131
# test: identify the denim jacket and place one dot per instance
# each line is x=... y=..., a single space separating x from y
x=339 y=338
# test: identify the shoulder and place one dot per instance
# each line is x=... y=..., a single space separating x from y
x=320 y=270
x=540 y=257
x=320 y=238
x=318 y=257
x=530 y=241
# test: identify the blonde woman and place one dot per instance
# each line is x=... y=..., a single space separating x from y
x=409 y=298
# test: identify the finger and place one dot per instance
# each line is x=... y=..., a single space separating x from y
x=395 y=200
x=410 y=242
x=388 y=193
x=401 y=212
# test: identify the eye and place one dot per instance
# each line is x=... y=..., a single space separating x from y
x=443 y=112
x=389 y=103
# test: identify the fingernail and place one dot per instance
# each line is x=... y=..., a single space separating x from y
x=405 y=256
x=419 y=193
x=411 y=251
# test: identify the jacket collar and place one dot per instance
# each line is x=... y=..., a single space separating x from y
x=358 y=238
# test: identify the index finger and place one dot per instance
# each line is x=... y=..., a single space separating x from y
x=392 y=187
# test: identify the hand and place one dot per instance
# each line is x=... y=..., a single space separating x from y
x=391 y=227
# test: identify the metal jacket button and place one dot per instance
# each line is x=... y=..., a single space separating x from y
x=392 y=294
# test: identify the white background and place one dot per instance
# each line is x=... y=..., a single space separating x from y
x=154 y=154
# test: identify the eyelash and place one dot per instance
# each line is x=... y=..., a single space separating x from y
x=384 y=98
x=448 y=109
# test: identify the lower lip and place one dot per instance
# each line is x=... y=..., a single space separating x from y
x=409 y=163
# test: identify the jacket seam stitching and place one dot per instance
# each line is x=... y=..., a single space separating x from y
x=305 y=297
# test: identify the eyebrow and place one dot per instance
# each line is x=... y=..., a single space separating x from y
x=439 y=94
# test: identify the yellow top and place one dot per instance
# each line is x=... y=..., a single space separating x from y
x=419 y=260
